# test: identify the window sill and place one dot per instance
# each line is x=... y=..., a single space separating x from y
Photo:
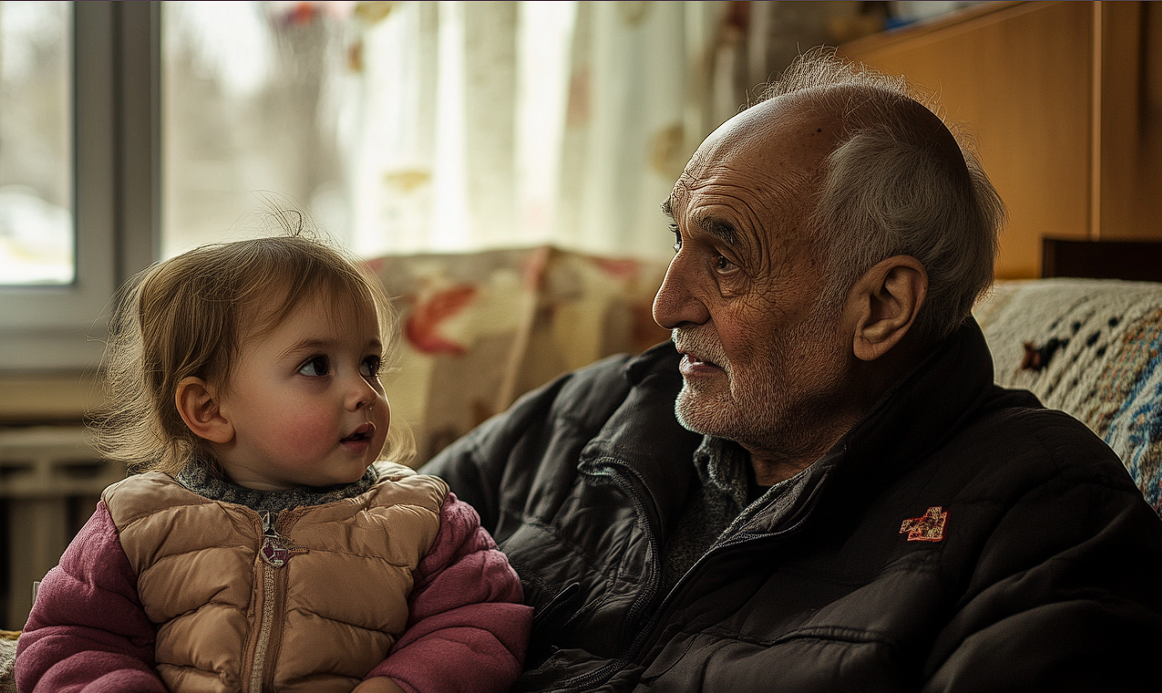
x=47 y=398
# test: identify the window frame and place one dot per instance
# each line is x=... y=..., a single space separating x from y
x=115 y=192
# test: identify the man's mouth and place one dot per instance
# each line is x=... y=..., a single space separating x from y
x=696 y=360
x=699 y=355
x=694 y=365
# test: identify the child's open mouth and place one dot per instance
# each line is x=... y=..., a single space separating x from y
x=360 y=435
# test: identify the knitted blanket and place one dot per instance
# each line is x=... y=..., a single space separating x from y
x=7 y=655
x=1091 y=348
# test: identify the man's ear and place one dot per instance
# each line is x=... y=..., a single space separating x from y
x=884 y=304
x=198 y=405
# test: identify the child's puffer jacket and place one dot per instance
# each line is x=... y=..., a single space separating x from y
x=311 y=602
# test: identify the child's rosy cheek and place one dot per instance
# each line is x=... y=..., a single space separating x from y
x=304 y=432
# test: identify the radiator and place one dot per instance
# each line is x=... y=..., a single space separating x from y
x=50 y=479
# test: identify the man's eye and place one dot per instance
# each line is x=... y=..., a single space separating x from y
x=315 y=366
x=677 y=237
x=370 y=367
x=723 y=264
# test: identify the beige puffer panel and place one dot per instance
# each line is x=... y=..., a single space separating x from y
x=230 y=620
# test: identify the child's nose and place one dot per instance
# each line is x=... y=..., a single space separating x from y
x=360 y=394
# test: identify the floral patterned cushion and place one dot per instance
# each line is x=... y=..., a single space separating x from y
x=481 y=329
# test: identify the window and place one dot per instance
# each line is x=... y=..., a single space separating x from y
x=401 y=127
x=53 y=322
x=37 y=243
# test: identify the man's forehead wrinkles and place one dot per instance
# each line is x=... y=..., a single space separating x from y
x=678 y=196
x=728 y=202
x=731 y=204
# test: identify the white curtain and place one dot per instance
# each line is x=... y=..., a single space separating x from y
x=501 y=124
x=418 y=126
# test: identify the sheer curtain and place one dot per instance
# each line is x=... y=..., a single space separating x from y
x=499 y=124
x=422 y=126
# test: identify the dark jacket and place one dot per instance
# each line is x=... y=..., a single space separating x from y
x=963 y=538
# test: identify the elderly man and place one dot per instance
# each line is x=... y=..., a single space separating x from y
x=817 y=486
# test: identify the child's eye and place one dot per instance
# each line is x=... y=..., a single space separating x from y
x=370 y=367
x=315 y=366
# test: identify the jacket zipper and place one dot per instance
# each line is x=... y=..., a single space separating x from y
x=642 y=601
x=273 y=556
x=264 y=628
x=645 y=636
x=645 y=633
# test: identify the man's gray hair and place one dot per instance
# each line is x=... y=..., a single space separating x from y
x=898 y=182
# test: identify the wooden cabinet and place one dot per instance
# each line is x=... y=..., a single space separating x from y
x=1064 y=100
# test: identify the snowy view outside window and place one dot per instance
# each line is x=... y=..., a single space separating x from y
x=37 y=241
x=397 y=127
x=250 y=107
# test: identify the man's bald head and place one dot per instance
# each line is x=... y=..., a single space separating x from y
x=895 y=181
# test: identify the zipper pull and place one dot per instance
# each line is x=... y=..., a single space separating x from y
x=276 y=549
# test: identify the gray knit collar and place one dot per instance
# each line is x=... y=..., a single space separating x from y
x=721 y=466
x=201 y=478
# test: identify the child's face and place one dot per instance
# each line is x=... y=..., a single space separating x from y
x=305 y=401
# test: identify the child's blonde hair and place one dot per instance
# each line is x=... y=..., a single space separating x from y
x=186 y=316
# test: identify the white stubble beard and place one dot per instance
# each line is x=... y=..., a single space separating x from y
x=754 y=409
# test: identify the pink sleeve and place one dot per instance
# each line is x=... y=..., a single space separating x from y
x=468 y=627
x=88 y=631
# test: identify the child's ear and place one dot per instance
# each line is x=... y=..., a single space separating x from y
x=198 y=405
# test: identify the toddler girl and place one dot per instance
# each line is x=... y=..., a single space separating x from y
x=263 y=547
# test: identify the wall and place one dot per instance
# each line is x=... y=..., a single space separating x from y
x=1064 y=100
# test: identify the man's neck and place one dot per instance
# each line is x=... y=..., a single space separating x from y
x=867 y=384
x=771 y=468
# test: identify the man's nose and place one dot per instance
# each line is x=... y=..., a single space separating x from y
x=676 y=304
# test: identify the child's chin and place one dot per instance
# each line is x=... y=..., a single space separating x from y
x=340 y=479
x=355 y=476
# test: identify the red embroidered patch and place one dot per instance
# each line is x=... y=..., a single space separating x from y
x=928 y=527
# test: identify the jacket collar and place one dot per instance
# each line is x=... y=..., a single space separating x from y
x=924 y=408
x=199 y=476
x=643 y=439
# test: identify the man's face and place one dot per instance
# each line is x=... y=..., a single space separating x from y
x=762 y=364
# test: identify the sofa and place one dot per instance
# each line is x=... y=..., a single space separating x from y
x=480 y=330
